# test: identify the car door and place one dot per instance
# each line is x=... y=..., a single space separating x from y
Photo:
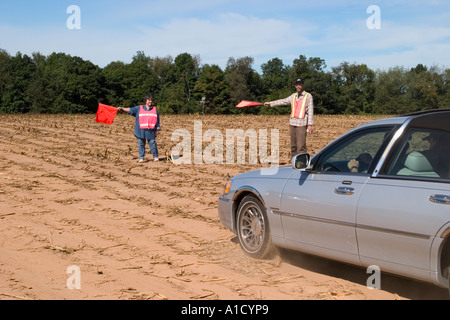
x=401 y=210
x=318 y=207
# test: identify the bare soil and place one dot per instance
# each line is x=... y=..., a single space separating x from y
x=72 y=193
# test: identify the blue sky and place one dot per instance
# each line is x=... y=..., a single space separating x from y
x=411 y=32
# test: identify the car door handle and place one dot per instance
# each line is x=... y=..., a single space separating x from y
x=440 y=198
x=346 y=191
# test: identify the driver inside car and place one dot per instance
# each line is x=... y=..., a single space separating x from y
x=361 y=163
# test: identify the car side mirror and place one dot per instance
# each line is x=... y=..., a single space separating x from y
x=301 y=161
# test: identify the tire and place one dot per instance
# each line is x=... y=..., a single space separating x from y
x=253 y=229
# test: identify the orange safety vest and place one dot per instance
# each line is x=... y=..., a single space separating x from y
x=299 y=107
x=148 y=119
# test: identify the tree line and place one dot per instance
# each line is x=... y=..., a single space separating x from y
x=61 y=83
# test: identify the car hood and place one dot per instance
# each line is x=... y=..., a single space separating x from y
x=267 y=173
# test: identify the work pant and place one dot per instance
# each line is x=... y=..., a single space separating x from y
x=153 y=147
x=298 y=140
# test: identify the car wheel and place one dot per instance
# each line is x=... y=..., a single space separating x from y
x=253 y=229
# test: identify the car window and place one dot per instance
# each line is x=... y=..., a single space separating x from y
x=421 y=153
x=354 y=153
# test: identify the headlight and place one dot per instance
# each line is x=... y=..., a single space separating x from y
x=227 y=187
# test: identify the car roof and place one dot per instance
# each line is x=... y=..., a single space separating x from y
x=382 y=122
x=427 y=112
x=436 y=118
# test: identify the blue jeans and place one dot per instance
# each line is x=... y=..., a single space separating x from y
x=153 y=147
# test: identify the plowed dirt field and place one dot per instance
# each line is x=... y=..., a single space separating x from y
x=72 y=193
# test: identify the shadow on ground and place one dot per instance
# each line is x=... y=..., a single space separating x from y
x=403 y=287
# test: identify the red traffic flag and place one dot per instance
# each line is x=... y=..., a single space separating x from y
x=245 y=103
x=106 y=114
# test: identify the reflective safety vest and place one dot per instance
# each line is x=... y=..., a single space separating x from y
x=148 y=119
x=299 y=107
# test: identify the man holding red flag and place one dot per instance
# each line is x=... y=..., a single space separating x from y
x=302 y=116
x=147 y=126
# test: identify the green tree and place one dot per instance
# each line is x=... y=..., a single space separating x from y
x=275 y=82
x=140 y=79
x=116 y=83
x=72 y=85
x=211 y=87
x=356 y=88
x=178 y=90
x=243 y=82
x=427 y=87
x=37 y=90
x=84 y=86
x=392 y=93
x=161 y=67
x=274 y=78
x=444 y=100
x=19 y=73
x=60 y=83
x=171 y=98
x=304 y=68
x=4 y=75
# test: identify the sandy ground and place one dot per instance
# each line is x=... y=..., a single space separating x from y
x=73 y=194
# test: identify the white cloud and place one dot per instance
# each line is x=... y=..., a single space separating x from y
x=230 y=35
x=216 y=36
x=393 y=45
x=432 y=55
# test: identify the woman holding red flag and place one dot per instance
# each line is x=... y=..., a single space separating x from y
x=147 y=126
x=302 y=116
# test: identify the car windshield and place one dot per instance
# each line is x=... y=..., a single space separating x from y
x=354 y=153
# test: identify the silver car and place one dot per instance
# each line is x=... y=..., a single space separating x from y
x=378 y=195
